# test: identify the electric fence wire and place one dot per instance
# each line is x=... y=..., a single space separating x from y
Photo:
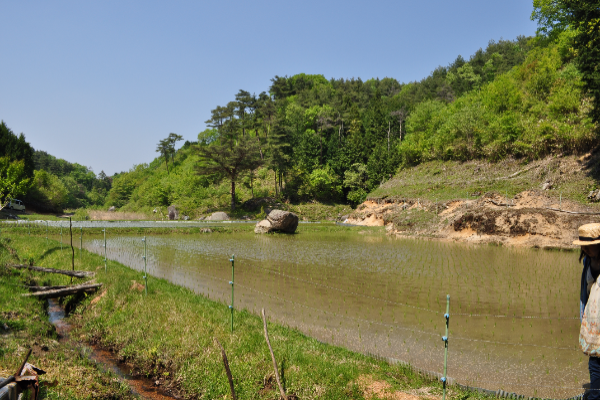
x=395 y=326
x=477 y=315
x=493 y=383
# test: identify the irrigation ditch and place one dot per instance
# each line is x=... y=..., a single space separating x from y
x=305 y=303
x=106 y=360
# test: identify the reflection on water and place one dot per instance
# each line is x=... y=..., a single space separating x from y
x=514 y=312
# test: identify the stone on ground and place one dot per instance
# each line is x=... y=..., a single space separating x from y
x=278 y=221
x=173 y=212
x=218 y=216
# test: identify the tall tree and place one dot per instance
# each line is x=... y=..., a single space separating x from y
x=584 y=18
x=229 y=158
x=13 y=180
x=278 y=156
x=245 y=105
x=401 y=115
x=173 y=139
x=164 y=148
x=16 y=148
x=551 y=16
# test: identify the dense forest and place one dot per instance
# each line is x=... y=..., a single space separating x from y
x=53 y=184
x=59 y=184
x=307 y=138
x=335 y=140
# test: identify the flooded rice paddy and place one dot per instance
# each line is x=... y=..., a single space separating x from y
x=513 y=313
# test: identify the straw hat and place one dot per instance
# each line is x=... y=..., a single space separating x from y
x=588 y=234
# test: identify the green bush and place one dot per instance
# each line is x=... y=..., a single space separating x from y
x=322 y=184
x=530 y=111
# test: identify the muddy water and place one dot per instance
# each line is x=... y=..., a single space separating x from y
x=513 y=313
x=142 y=387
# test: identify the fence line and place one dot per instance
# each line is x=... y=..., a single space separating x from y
x=410 y=305
x=338 y=315
x=499 y=393
x=398 y=326
x=394 y=326
x=346 y=291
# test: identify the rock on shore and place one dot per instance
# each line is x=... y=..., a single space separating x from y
x=278 y=221
x=218 y=216
x=173 y=212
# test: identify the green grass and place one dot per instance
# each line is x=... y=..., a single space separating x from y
x=54 y=231
x=4 y=214
x=28 y=326
x=448 y=180
x=168 y=335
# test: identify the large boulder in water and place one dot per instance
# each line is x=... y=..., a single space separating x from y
x=218 y=216
x=278 y=221
x=173 y=212
x=263 y=226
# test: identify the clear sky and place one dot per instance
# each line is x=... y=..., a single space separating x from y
x=100 y=83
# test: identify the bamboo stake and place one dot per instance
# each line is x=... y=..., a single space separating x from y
x=445 y=339
x=227 y=370
x=231 y=283
x=273 y=357
x=65 y=291
x=72 y=249
x=76 y=274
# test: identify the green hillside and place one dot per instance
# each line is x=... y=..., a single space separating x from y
x=537 y=108
x=335 y=141
x=308 y=140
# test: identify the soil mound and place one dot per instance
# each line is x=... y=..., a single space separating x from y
x=530 y=219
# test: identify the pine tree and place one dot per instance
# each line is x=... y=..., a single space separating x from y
x=164 y=148
x=229 y=158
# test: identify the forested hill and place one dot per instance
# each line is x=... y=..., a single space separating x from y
x=60 y=184
x=46 y=182
x=335 y=140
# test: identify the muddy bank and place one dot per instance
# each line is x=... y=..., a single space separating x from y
x=530 y=219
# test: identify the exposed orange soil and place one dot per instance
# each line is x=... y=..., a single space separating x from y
x=374 y=389
x=530 y=219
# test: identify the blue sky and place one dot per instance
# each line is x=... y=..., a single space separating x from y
x=100 y=83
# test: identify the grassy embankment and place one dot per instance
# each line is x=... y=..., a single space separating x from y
x=571 y=177
x=24 y=324
x=168 y=335
x=307 y=212
x=439 y=182
x=53 y=232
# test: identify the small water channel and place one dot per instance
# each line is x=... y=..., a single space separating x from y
x=514 y=312
x=140 y=386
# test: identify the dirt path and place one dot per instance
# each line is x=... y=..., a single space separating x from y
x=530 y=219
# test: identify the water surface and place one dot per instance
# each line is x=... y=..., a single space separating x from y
x=513 y=313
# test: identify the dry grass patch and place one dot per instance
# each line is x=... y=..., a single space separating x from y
x=375 y=389
x=96 y=215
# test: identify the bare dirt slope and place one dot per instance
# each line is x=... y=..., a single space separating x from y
x=540 y=204
x=530 y=219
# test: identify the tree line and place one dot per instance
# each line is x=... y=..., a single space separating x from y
x=336 y=140
x=46 y=182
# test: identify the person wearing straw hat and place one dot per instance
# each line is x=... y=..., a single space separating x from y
x=589 y=240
